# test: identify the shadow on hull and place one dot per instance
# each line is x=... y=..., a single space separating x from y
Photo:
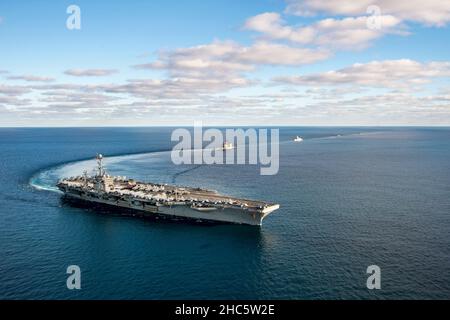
x=106 y=209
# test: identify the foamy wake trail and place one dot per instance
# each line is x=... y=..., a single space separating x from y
x=43 y=187
x=118 y=165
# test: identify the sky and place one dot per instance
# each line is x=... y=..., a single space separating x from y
x=225 y=62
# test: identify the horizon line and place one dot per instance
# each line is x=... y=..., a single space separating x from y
x=227 y=126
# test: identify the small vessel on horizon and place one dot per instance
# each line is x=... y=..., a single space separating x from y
x=298 y=139
x=227 y=146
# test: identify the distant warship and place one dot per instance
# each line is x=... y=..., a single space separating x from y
x=149 y=199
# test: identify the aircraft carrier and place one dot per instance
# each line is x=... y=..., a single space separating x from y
x=149 y=199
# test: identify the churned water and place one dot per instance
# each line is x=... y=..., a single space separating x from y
x=350 y=198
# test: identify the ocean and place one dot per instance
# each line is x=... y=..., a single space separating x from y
x=350 y=198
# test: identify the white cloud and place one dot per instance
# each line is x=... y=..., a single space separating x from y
x=271 y=24
x=279 y=54
x=13 y=90
x=347 y=33
x=178 y=88
x=391 y=108
x=430 y=12
x=12 y=102
x=223 y=57
x=353 y=32
x=31 y=78
x=90 y=72
x=210 y=61
x=215 y=68
x=387 y=73
x=90 y=99
x=196 y=80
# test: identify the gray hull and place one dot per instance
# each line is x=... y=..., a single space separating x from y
x=181 y=210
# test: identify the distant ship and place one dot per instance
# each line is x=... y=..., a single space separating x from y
x=227 y=146
x=149 y=199
x=298 y=139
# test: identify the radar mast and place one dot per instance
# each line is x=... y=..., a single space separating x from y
x=101 y=170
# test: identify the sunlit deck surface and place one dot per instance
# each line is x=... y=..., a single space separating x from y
x=166 y=193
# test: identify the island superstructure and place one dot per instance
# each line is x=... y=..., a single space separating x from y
x=150 y=199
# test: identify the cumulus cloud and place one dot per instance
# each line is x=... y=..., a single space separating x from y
x=10 y=96
x=385 y=109
x=347 y=33
x=224 y=57
x=90 y=99
x=214 y=68
x=177 y=88
x=13 y=90
x=200 y=60
x=90 y=72
x=31 y=78
x=387 y=73
x=271 y=24
x=279 y=54
x=430 y=12
x=196 y=79
x=8 y=102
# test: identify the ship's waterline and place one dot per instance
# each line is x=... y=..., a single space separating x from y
x=156 y=199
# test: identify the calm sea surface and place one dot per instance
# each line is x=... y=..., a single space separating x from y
x=350 y=198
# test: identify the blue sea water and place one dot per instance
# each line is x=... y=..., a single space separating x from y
x=350 y=198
